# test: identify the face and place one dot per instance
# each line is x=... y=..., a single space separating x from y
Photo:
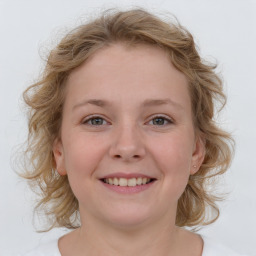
x=127 y=121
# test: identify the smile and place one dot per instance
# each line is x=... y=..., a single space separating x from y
x=123 y=182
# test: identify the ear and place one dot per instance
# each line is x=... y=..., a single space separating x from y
x=198 y=155
x=59 y=157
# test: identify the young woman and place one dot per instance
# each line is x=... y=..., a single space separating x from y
x=123 y=142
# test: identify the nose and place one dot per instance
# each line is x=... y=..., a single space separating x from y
x=127 y=144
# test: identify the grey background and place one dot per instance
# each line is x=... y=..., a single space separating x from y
x=224 y=30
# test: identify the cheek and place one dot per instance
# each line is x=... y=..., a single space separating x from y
x=175 y=151
x=173 y=157
x=82 y=155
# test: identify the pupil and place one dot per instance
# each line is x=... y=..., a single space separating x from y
x=97 y=121
x=158 y=121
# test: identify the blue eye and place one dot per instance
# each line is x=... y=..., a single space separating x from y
x=95 y=121
x=160 y=121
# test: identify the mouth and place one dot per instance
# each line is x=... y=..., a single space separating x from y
x=131 y=182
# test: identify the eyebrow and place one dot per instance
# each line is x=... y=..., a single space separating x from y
x=146 y=103
x=96 y=102
x=159 y=102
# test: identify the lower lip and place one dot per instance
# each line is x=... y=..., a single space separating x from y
x=128 y=190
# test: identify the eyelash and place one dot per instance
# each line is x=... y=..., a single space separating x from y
x=91 y=118
x=167 y=121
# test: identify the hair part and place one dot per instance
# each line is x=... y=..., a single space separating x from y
x=46 y=98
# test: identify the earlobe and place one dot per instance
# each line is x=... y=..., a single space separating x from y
x=198 y=155
x=58 y=153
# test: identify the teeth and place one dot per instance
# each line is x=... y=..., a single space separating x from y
x=116 y=182
x=144 y=181
x=123 y=182
x=139 y=181
x=127 y=182
x=132 y=182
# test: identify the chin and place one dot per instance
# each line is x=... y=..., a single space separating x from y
x=129 y=218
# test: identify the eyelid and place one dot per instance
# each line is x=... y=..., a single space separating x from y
x=163 y=116
x=94 y=116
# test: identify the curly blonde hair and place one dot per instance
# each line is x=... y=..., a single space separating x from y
x=46 y=97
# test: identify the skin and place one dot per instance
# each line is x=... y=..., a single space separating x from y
x=130 y=132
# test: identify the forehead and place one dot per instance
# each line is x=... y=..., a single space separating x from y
x=120 y=72
x=119 y=56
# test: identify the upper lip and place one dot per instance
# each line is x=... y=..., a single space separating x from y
x=126 y=175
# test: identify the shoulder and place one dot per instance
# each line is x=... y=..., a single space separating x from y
x=48 y=249
x=213 y=248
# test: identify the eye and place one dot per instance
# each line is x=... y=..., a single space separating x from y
x=160 y=121
x=95 y=121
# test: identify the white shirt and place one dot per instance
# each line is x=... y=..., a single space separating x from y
x=211 y=248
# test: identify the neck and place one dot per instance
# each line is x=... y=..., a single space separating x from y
x=159 y=238
x=146 y=241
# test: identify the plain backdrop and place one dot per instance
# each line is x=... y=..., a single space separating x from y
x=224 y=31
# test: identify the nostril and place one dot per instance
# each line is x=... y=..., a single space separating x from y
x=135 y=156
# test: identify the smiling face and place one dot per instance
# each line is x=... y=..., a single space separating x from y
x=127 y=121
